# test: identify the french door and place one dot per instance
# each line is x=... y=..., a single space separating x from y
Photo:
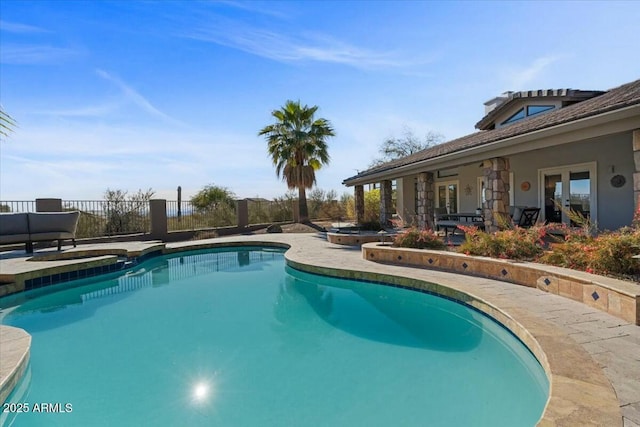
x=568 y=188
x=447 y=196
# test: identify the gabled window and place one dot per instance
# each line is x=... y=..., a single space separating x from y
x=531 y=110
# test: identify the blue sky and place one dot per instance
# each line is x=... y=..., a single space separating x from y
x=128 y=95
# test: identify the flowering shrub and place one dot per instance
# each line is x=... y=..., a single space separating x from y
x=418 y=239
x=579 y=247
x=513 y=243
x=609 y=253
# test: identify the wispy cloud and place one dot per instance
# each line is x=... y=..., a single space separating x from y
x=279 y=46
x=34 y=54
x=251 y=7
x=14 y=27
x=520 y=77
x=89 y=111
x=133 y=96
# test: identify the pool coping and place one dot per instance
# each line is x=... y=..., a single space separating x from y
x=579 y=394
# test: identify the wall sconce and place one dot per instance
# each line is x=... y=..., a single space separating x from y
x=468 y=190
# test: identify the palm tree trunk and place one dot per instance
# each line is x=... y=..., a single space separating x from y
x=302 y=205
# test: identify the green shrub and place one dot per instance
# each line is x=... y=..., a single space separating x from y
x=514 y=243
x=418 y=239
x=372 y=205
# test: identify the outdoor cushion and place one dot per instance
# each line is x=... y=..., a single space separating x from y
x=515 y=212
x=13 y=223
x=54 y=222
x=51 y=235
x=5 y=239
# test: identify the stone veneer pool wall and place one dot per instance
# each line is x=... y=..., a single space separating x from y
x=356 y=239
x=616 y=297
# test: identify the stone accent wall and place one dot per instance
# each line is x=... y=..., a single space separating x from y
x=359 y=203
x=496 y=187
x=616 y=297
x=426 y=199
x=636 y=175
x=386 y=205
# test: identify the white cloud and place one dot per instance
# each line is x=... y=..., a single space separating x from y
x=15 y=27
x=289 y=48
x=88 y=111
x=252 y=7
x=34 y=54
x=136 y=98
x=519 y=78
x=79 y=161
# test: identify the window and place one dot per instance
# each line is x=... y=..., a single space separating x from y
x=517 y=116
x=447 y=195
x=532 y=110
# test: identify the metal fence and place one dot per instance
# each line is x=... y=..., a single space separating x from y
x=18 y=206
x=269 y=211
x=97 y=217
x=109 y=218
x=185 y=216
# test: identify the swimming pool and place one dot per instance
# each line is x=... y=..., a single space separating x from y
x=233 y=337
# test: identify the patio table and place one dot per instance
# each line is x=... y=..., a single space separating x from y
x=453 y=220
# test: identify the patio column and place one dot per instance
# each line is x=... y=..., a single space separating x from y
x=385 y=202
x=158 y=219
x=636 y=175
x=496 y=186
x=359 y=203
x=425 y=200
x=242 y=211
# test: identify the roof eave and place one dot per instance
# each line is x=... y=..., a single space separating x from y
x=445 y=159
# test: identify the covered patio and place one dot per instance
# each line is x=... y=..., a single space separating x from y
x=580 y=153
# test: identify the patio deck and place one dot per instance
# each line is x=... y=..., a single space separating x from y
x=591 y=357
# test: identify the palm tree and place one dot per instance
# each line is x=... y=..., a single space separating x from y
x=7 y=123
x=298 y=147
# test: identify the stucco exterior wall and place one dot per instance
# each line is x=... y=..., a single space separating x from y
x=405 y=198
x=614 y=205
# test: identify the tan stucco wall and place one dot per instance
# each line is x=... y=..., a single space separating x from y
x=405 y=202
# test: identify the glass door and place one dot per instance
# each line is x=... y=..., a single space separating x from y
x=447 y=196
x=565 y=189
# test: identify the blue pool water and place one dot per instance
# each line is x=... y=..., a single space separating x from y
x=234 y=338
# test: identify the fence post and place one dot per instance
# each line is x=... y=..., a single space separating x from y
x=158 y=217
x=243 y=213
x=48 y=205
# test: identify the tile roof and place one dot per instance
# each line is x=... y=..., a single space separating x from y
x=614 y=99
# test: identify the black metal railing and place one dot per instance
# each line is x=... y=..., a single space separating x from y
x=109 y=218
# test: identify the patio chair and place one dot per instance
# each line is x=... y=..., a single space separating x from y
x=528 y=217
x=439 y=214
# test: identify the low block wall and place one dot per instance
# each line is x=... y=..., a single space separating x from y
x=616 y=297
x=356 y=239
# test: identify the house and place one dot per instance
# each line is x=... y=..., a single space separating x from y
x=552 y=149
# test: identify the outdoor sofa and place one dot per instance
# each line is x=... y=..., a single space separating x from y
x=29 y=227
